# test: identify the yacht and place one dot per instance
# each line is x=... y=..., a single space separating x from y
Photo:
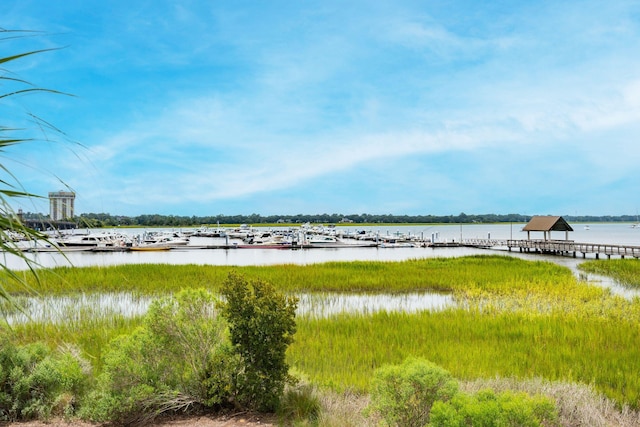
x=93 y=240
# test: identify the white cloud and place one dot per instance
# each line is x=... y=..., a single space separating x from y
x=236 y=102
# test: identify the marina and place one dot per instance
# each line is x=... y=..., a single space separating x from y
x=622 y=241
x=444 y=240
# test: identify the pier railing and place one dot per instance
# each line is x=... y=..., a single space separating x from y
x=564 y=247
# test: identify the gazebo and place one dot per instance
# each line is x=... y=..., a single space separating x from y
x=547 y=224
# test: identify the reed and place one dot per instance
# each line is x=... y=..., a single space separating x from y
x=342 y=352
x=625 y=271
x=511 y=318
x=434 y=274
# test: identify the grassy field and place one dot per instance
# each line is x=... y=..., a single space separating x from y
x=512 y=318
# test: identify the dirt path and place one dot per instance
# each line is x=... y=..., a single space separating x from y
x=186 y=421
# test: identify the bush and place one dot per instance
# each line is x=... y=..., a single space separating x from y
x=300 y=404
x=36 y=382
x=486 y=409
x=187 y=354
x=404 y=394
x=162 y=366
x=261 y=326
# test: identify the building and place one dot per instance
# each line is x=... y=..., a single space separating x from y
x=61 y=205
x=547 y=224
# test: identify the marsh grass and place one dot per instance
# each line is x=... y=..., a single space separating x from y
x=342 y=352
x=512 y=318
x=489 y=273
x=74 y=309
x=625 y=271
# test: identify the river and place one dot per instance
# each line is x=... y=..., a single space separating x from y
x=321 y=305
x=612 y=233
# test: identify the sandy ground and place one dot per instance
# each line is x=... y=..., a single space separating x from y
x=242 y=420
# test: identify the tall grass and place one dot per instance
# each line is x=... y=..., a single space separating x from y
x=342 y=353
x=514 y=318
x=625 y=271
x=437 y=274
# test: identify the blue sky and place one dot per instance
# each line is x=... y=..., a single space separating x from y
x=281 y=107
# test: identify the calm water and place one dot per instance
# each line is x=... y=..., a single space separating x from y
x=596 y=233
x=79 y=308
x=316 y=304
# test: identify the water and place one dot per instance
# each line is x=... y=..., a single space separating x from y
x=72 y=309
x=612 y=233
x=79 y=308
x=329 y=304
x=598 y=233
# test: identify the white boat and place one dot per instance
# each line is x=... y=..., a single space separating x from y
x=161 y=239
x=94 y=240
x=397 y=244
x=320 y=239
x=241 y=232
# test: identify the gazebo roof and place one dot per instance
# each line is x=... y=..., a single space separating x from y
x=547 y=223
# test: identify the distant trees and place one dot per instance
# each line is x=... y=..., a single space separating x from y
x=107 y=220
x=98 y=220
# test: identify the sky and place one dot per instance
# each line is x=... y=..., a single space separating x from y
x=203 y=107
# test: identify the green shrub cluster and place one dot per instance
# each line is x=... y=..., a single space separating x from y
x=196 y=351
x=488 y=409
x=420 y=393
x=36 y=382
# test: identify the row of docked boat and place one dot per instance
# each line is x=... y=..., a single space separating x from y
x=242 y=237
x=105 y=241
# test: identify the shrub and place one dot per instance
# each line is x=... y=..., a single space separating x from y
x=261 y=326
x=486 y=409
x=162 y=366
x=300 y=404
x=36 y=382
x=186 y=354
x=404 y=394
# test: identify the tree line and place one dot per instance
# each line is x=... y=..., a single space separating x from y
x=98 y=220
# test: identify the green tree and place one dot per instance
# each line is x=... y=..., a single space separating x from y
x=261 y=326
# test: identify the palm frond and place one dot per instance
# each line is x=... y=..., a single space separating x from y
x=11 y=225
x=22 y=55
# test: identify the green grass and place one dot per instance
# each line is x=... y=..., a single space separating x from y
x=514 y=318
x=343 y=352
x=434 y=274
x=625 y=271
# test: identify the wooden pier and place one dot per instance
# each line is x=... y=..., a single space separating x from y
x=557 y=247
